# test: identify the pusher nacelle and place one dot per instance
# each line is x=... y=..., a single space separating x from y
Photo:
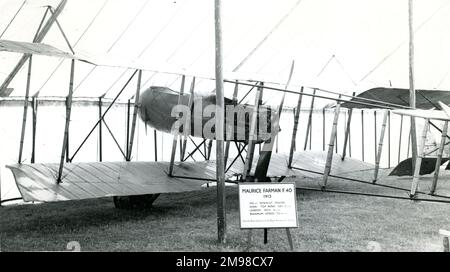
x=168 y=111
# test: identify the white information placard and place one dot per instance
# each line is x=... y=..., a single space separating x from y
x=267 y=205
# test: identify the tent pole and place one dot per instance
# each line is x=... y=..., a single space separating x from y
x=66 y=129
x=25 y=109
x=220 y=114
x=412 y=91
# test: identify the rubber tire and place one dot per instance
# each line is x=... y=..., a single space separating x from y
x=134 y=201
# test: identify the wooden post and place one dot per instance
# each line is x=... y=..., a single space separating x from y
x=100 y=131
x=66 y=129
x=33 y=140
x=252 y=136
x=347 y=133
x=416 y=176
x=249 y=239
x=362 y=134
x=294 y=132
x=136 y=108
x=25 y=109
x=220 y=114
x=331 y=147
x=412 y=91
x=380 y=146
x=439 y=157
x=289 y=236
x=308 y=127
x=175 y=137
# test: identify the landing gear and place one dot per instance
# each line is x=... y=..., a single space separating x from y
x=135 y=201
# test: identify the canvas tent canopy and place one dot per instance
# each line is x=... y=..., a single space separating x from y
x=342 y=46
x=346 y=46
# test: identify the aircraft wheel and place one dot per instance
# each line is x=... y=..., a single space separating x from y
x=135 y=201
x=122 y=202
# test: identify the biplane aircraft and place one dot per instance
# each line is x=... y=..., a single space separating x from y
x=132 y=182
x=139 y=183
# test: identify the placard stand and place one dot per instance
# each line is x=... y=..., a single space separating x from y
x=267 y=205
x=288 y=234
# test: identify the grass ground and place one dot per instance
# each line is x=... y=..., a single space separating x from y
x=187 y=222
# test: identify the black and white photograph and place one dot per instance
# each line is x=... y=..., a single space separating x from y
x=245 y=128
